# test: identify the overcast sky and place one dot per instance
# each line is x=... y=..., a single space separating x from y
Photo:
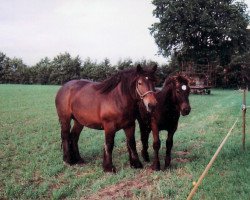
x=116 y=29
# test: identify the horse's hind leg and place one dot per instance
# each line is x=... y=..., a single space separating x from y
x=131 y=144
x=66 y=141
x=74 y=135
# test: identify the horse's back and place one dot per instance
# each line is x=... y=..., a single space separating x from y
x=65 y=94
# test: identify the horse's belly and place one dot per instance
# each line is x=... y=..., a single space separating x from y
x=88 y=119
x=94 y=122
x=120 y=119
x=88 y=122
x=94 y=126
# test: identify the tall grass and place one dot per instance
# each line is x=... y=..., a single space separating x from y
x=31 y=157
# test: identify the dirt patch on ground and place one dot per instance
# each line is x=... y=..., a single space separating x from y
x=123 y=189
x=181 y=157
x=126 y=189
x=181 y=160
x=181 y=153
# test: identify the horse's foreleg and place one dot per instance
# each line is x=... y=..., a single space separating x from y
x=108 y=148
x=75 y=133
x=169 y=145
x=144 y=139
x=156 y=146
x=131 y=145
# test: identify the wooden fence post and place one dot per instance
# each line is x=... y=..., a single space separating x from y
x=244 y=108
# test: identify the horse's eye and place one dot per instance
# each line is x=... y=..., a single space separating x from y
x=139 y=82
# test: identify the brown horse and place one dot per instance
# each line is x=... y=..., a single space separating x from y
x=172 y=100
x=110 y=106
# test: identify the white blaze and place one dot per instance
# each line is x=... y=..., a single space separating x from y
x=184 y=87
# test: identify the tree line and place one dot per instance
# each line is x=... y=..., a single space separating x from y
x=63 y=68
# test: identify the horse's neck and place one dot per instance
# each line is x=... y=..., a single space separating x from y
x=167 y=96
x=124 y=100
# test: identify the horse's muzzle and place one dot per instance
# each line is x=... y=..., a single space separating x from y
x=150 y=101
x=185 y=110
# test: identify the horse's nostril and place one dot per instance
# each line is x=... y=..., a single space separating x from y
x=151 y=105
x=186 y=110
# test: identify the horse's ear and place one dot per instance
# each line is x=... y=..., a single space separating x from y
x=183 y=74
x=139 y=69
x=154 y=68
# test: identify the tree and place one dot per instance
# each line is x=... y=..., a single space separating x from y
x=9 y=71
x=64 y=68
x=43 y=69
x=2 y=66
x=104 y=70
x=12 y=70
x=87 y=69
x=198 y=29
x=18 y=70
x=123 y=64
x=96 y=71
x=240 y=68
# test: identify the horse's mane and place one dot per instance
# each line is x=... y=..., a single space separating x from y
x=127 y=79
x=175 y=79
x=122 y=77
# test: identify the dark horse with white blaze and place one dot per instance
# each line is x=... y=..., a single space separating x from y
x=110 y=106
x=171 y=101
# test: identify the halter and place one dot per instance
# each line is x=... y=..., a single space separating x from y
x=142 y=95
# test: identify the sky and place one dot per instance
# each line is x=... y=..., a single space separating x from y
x=98 y=29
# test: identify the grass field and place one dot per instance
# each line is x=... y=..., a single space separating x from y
x=31 y=157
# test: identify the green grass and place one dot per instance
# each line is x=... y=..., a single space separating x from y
x=31 y=157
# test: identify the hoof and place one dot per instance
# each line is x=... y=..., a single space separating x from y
x=156 y=167
x=167 y=166
x=74 y=161
x=136 y=165
x=145 y=156
x=167 y=163
x=110 y=169
x=68 y=163
x=80 y=162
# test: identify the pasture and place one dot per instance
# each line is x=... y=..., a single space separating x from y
x=31 y=157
